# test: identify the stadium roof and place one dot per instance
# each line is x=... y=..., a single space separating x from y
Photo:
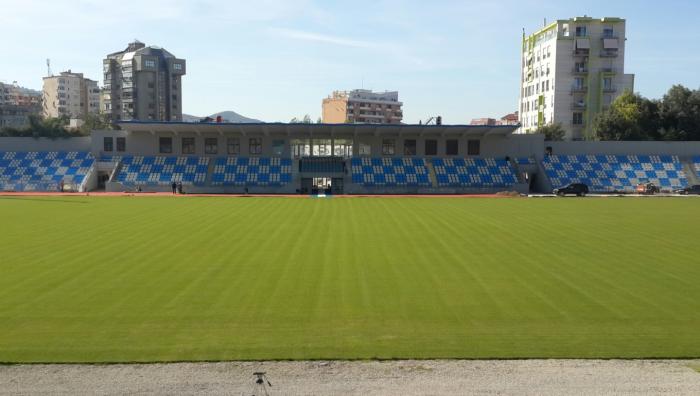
x=316 y=129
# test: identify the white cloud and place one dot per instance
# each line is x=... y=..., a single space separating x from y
x=322 y=38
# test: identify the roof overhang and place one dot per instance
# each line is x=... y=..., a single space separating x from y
x=317 y=130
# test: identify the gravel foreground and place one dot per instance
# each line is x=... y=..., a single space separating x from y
x=521 y=377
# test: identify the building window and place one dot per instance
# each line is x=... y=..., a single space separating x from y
x=233 y=146
x=431 y=147
x=211 y=146
x=177 y=66
x=608 y=32
x=578 y=119
x=121 y=144
x=474 y=147
x=255 y=145
x=452 y=147
x=409 y=147
x=365 y=149
x=108 y=144
x=581 y=31
x=388 y=147
x=149 y=63
x=607 y=83
x=188 y=145
x=165 y=145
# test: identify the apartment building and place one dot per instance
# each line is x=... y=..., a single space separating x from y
x=70 y=94
x=572 y=69
x=143 y=83
x=508 y=119
x=17 y=104
x=362 y=106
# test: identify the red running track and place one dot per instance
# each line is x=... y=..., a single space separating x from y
x=167 y=194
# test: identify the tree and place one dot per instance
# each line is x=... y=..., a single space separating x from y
x=95 y=122
x=679 y=114
x=305 y=120
x=52 y=128
x=552 y=132
x=630 y=117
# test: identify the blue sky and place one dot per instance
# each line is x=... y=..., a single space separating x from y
x=276 y=59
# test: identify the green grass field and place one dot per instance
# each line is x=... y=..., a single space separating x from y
x=187 y=279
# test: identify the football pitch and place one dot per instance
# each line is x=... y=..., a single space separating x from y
x=145 y=279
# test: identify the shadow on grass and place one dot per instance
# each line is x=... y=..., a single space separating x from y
x=43 y=200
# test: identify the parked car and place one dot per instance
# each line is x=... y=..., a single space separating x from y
x=647 y=189
x=578 y=189
x=690 y=190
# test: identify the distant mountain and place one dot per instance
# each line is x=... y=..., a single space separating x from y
x=227 y=116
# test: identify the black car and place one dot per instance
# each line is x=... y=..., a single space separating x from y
x=690 y=190
x=579 y=189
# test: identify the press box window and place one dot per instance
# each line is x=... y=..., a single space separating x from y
x=165 y=145
x=108 y=144
x=188 y=145
x=233 y=146
x=431 y=147
x=388 y=147
x=277 y=147
x=211 y=146
x=255 y=146
x=121 y=144
x=474 y=147
x=365 y=149
x=452 y=147
x=409 y=147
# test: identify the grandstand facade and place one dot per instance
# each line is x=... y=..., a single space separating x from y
x=280 y=158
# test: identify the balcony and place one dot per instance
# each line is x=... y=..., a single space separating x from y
x=579 y=89
x=580 y=70
x=609 y=88
x=582 y=52
x=581 y=106
x=608 y=70
x=608 y=54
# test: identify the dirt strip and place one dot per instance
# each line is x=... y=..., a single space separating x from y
x=438 y=377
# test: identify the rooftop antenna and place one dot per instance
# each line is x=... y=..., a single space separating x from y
x=48 y=67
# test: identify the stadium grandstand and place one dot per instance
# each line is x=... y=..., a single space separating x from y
x=277 y=158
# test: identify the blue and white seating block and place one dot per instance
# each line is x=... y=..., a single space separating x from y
x=610 y=173
x=390 y=172
x=474 y=172
x=253 y=171
x=43 y=170
x=162 y=171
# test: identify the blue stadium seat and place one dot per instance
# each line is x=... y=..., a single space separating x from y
x=474 y=172
x=253 y=171
x=609 y=173
x=163 y=170
x=390 y=172
x=696 y=165
x=42 y=170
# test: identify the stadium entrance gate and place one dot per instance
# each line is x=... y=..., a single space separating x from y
x=322 y=185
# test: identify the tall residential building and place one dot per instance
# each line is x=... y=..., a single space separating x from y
x=572 y=69
x=362 y=106
x=70 y=94
x=143 y=83
x=17 y=104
